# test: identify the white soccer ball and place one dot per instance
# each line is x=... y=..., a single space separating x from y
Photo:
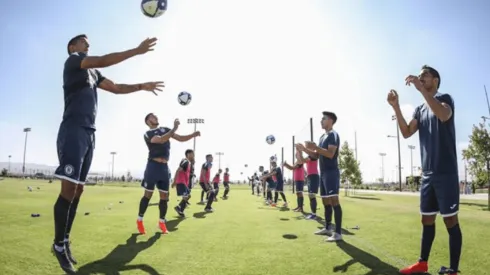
x=184 y=98
x=153 y=8
x=270 y=139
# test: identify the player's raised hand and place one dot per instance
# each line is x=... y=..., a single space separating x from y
x=411 y=79
x=392 y=98
x=196 y=134
x=147 y=45
x=153 y=86
x=299 y=147
x=310 y=145
x=176 y=123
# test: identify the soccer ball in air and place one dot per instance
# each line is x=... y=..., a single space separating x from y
x=184 y=98
x=153 y=8
x=270 y=139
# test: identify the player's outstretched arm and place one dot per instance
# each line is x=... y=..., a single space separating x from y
x=187 y=137
x=285 y=164
x=91 y=62
x=407 y=130
x=114 y=88
x=164 y=138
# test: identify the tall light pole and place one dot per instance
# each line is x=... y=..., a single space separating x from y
x=10 y=156
x=411 y=147
x=26 y=130
x=195 y=121
x=383 y=166
x=355 y=143
x=113 y=154
x=399 y=156
x=219 y=154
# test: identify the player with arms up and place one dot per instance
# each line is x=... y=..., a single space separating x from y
x=182 y=181
x=270 y=185
x=439 y=191
x=313 y=181
x=226 y=183
x=299 y=180
x=327 y=152
x=204 y=181
x=157 y=173
x=277 y=173
x=76 y=136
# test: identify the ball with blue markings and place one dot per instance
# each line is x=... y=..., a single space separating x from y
x=270 y=139
x=184 y=98
x=153 y=8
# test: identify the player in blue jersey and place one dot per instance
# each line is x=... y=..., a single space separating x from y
x=157 y=173
x=76 y=136
x=328 y=152
x=439 y=190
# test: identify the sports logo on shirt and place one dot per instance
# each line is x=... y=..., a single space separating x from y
x=69 y=170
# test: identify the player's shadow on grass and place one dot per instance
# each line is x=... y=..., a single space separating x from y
x=364 y=198
x=483 y=206
x=200 y=215
x=362 y=257
x=117 y=260
x=172 y=225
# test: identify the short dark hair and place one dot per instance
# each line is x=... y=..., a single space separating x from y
x=188 y=151
x=148 y=116
x=208 y=155
x=434 y=73
x=73 y=41
x=331 y=115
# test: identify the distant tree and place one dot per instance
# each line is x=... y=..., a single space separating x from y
x=349 y=166
x=4 y=172
x=477 y=155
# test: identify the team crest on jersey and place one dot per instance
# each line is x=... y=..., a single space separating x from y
x=69 y=169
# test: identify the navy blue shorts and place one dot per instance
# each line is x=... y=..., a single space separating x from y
x=280 y=186
x=215 y=186
x=75 y=147
x=182 y=190
x=226 y=185
x=271 y=186
x=156 y=175
x=331 y=183
x=313 y=184
x=300 y=186
x=439 y=193
x=205 y=186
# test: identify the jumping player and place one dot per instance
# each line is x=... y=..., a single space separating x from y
x=156 y=173
x=76 y=136
x=216 y=180
x=299 y=180
x=313 y=180
x=328 y=153
x=204 y=181
x=439 y=191
x=182 y=181
x=226 y=183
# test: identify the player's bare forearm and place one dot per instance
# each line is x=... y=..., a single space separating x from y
x=402 y=123
x=324 y=152
x=441 y=110
x=288 y=166
x=115 y=58
x=311 y=153
x=183 y=138
x=127 y=88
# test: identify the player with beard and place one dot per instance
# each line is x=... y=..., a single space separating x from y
x=156 y=173
x=439 y=190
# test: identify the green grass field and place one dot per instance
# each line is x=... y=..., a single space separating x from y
x=243 y=236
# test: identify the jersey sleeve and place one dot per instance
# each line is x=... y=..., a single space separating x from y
x=100 y=77
x=74 y=61
x=416 y=114
x=205 y=166
x=332 y=139
x=149 y=135
x=445 y=98
x=184 y=164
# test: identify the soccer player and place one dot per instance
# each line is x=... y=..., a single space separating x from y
x=327 y=152
x=299 y=180
x=204 y=181
x=226 y=183
x=277 y=173
x=76 y=136
x=182 y=181
x=271 y=185
x=216 y=181
x=157 y=173
x=439 y=191
x=313 y=182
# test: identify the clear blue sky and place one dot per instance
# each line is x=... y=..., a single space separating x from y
x=238 y=56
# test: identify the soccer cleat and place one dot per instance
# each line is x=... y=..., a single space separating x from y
x=63 y=260
x=209 y=210
x=311 y=217
x=273 y=204
x=445 y=270
x=141 y=227
x=419 y=267
x=322 y=231
x=163 y=227
x=69 y=254
x=335 y=237
x=179 y=211
x=285 y=205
